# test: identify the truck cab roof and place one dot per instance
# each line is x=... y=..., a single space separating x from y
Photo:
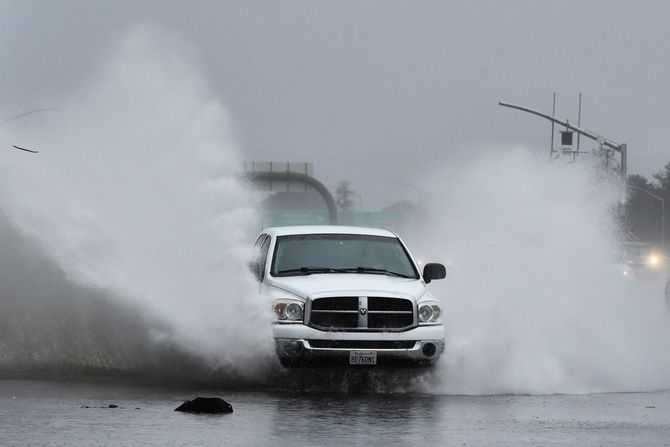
x=326 y=229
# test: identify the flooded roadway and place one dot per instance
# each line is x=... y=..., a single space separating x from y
x=78 y=413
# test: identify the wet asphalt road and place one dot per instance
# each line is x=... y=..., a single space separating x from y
x=78 y=413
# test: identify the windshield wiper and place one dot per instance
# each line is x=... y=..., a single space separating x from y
x=309 y=270
x=376 y=270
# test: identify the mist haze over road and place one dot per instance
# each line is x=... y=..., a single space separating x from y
x=136 y=200
x=124 y=239
x=136 y=192
x=533 y=301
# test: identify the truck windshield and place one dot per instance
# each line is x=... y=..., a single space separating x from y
x=306 y=254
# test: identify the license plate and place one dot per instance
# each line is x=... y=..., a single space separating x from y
x=363 y=357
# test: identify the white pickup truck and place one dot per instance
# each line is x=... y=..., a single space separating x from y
x=348 y=296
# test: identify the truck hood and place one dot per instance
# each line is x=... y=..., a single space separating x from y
x=349 y=284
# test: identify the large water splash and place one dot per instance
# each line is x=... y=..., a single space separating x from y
x=124 y=243
x=534 y=302
x=135 y=191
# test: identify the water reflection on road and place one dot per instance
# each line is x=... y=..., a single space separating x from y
x=78 y=413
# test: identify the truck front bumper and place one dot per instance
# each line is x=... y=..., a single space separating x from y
x=298 y=345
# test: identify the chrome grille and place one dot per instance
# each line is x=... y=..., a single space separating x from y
x=362 y=313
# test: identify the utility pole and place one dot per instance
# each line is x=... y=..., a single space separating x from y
x=621 y=148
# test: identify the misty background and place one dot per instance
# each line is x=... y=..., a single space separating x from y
x=134 y=205
x=376 y=90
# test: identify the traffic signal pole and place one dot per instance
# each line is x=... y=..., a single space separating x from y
x=621 y=148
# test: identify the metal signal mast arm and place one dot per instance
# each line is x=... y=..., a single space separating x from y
x=621 y=148
x=566 y=124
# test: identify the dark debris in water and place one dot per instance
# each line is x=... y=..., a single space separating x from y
x=108 y=407
x=205 y=405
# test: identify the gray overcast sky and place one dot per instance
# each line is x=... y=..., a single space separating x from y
x=375 y=91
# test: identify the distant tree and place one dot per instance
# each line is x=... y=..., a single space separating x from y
x=663 y=177
x=642 y=216
x=639 y=181
x=344 y=195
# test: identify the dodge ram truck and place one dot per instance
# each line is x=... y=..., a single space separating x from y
x=349 y=296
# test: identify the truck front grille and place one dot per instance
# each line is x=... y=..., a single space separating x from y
x=362 y=313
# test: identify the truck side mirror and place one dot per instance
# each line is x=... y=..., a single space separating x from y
x=433 y=271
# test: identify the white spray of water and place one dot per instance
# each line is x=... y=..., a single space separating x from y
x=533 y=301
x=137 y=188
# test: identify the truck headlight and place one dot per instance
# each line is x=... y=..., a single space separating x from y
x=288 y=311
x=430 y=313
x=294 y=311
